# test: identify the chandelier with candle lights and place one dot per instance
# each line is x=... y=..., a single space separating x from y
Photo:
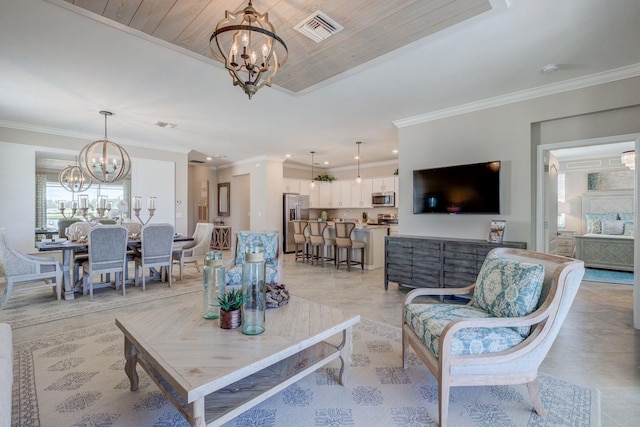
x=246 y=43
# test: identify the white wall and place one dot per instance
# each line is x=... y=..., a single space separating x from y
x=508 y=133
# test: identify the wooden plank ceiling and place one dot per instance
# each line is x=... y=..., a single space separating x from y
x=371 y=27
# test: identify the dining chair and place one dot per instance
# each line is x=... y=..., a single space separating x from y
x=344 y=241
x=156 y=249
x=194 y=252
x=320 y=243
x=79 y=231
x=301 y=239
x=21 y=269
x=107 y=254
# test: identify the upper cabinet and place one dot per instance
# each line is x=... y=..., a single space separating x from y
x=341 y=194
x=291 y=185
x=361 y=194
x=324 y=189
x=380 y=185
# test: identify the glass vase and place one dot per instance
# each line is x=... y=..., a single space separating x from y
x=213 y=284
x=253 y=290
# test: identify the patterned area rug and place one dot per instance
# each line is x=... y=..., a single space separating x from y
x=77 y=379
x=608 y=276
x=41 y=306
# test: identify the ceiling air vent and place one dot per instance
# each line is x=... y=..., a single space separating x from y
x=196 y=161
x=318 y=26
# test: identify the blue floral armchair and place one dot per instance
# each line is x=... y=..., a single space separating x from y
x=271 y=243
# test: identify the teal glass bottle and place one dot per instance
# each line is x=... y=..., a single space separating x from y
x=213 y=282
x=253 y=288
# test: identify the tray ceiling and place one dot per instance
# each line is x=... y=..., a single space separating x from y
x=372 y=28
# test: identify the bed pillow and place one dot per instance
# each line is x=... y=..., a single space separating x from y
x=594 y=226
x=629 y=229
x=612 y=227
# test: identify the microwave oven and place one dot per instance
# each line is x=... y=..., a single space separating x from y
x=386 y=199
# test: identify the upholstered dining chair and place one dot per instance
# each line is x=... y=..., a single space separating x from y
x=344 y=241
x=271 y=243
x=320 y=243
x=107 y=254
x=22 y=269
x=301 y=239
x=518 y=304
x=79 y=230
x=194 y=252
x=156 y=249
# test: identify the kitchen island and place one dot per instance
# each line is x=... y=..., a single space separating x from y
x=373 y=237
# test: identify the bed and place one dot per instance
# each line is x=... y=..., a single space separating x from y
x=608 y=230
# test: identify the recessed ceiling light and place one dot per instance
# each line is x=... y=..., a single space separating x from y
x=394 y=151
x=288 y=156
x=550 y=68
x=219 y=156
x=209 y=158
x=356 y=157
x=326 y=163
x=165 y=124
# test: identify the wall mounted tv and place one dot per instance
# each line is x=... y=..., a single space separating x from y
x=462 y=189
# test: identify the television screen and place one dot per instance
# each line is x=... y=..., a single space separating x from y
x=463 y=189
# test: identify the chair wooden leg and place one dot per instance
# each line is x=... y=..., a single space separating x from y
x=348 y=259
x=443 y=402
x=124 y=283
x=534 y=395
x=337 y=257
x=362 y=258
x=405 y=351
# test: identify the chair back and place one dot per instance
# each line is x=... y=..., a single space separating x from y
x=107 y=247
x=63 y=223
x=14 y=263
x=343 y=234
x=269 y=240
x=316 y=232
x=298 y=231
x=157 y=243
x=201 y=239
x=79 y=229
x=133 y=227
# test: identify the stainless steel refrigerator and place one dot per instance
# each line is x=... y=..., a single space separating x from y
x=296 y=207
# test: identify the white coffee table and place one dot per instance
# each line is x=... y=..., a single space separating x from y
x=212 y=375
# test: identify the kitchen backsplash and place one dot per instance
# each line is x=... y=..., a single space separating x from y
x=351 y=214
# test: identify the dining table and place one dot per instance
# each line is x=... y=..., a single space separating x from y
x=67 y=247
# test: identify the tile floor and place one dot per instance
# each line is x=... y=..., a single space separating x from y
x=597 y=346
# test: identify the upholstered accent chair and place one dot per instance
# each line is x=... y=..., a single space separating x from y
x=344 y=241
x=503 y=334
x=320 y=243
x=272 y=244
x=194 y=252
x=301 y=240
x=107 y=254
x=156 y=248
x=22 y=271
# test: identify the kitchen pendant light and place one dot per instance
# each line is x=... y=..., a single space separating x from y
x=103 y=160
x=358 y=179
x=312 y=184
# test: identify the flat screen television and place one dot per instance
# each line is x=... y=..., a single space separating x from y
x=462 y=189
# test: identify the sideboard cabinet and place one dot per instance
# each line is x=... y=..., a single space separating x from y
x=436 y=262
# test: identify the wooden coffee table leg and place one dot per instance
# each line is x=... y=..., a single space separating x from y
x=197 y=413
x=130 y=352
x=345 y=347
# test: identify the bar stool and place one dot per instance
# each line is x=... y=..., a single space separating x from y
x=299 y=238
x=343 y=241
x=317 y=240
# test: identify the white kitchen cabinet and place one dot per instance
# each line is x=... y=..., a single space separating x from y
x=291 y=185
x=341 y=194
x=380 y=185
x=361 y=194
x=324 y=194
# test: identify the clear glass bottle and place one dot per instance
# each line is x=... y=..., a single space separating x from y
x=213 y=282
x=253 y=289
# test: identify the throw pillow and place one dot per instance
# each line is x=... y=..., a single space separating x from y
x=594 y=226
x=612 y=227
x=626 y=216
x=629 y=229
x=508 y=288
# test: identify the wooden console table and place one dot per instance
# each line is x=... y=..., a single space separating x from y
x=221 y=238
x=436 y=262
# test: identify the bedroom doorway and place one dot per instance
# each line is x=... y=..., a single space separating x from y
x=581 y=153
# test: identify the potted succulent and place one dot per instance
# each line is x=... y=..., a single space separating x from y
x=230 y=304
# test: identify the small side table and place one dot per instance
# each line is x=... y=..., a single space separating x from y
x=566 y=243
x=221 y=238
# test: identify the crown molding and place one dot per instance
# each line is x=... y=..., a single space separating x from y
x=78 y=135
x=524 y=95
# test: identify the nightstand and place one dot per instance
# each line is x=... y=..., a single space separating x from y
x=566 y=243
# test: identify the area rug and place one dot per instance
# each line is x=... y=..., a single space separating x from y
x=77 y=379
x=608 y=276
x=41 y=306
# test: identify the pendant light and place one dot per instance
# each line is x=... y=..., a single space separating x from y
x=73 y=179
x=103 y=160
x=312 y=184
x=358 y=179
